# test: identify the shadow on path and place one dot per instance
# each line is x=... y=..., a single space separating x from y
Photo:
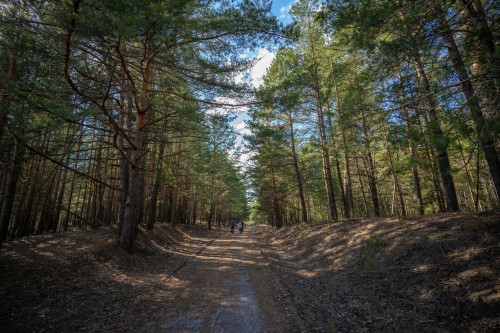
x=216 y=293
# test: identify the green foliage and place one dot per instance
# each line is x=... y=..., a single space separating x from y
x=332 y=328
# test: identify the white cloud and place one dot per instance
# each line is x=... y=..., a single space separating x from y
x=260 y=68
x=240 y=126
x=245 y=131
x=225 y=109
x=242 y=130
x=239 y=78
x=286 y=9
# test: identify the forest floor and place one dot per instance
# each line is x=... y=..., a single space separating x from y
x=177 y=280
x=434 y=273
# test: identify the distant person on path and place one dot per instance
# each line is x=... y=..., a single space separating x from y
x=240 y=227
x=232 y=226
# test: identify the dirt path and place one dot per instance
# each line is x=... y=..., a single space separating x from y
x=225 y=288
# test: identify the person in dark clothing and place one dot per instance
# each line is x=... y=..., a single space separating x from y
x=232 y=226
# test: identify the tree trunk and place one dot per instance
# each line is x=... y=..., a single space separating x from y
x=156 y=186
x=413 y=154
x=435 y=128
x=372 y=179
x=297 y=171
x=4 y=92
x=483 y=33
x=396 y=182
x=346 y=154
x=361 y=185
x=277 y=216
x=10 y=190
x=488 y=146
x=128 y=230
x=323 y=140
x=339 y=174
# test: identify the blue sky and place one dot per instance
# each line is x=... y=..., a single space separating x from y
x=280 y=9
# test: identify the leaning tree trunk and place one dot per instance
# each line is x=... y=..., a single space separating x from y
x=435 y=128
x=57 y=210
x=485 y=139
x=483 y=34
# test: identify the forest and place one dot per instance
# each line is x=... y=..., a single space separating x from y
x=366 y=172
x=120 y=112
x=110 y=112
x=379 y=109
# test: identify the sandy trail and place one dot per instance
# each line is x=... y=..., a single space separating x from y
x=225 y=288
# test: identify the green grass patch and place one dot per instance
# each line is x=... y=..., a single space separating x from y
x=303 y=227
x=369 y=259
x=407 y=231
x=376 y=239
x=332 y=328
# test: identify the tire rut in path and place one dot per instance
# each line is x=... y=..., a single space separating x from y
x=222 y=288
